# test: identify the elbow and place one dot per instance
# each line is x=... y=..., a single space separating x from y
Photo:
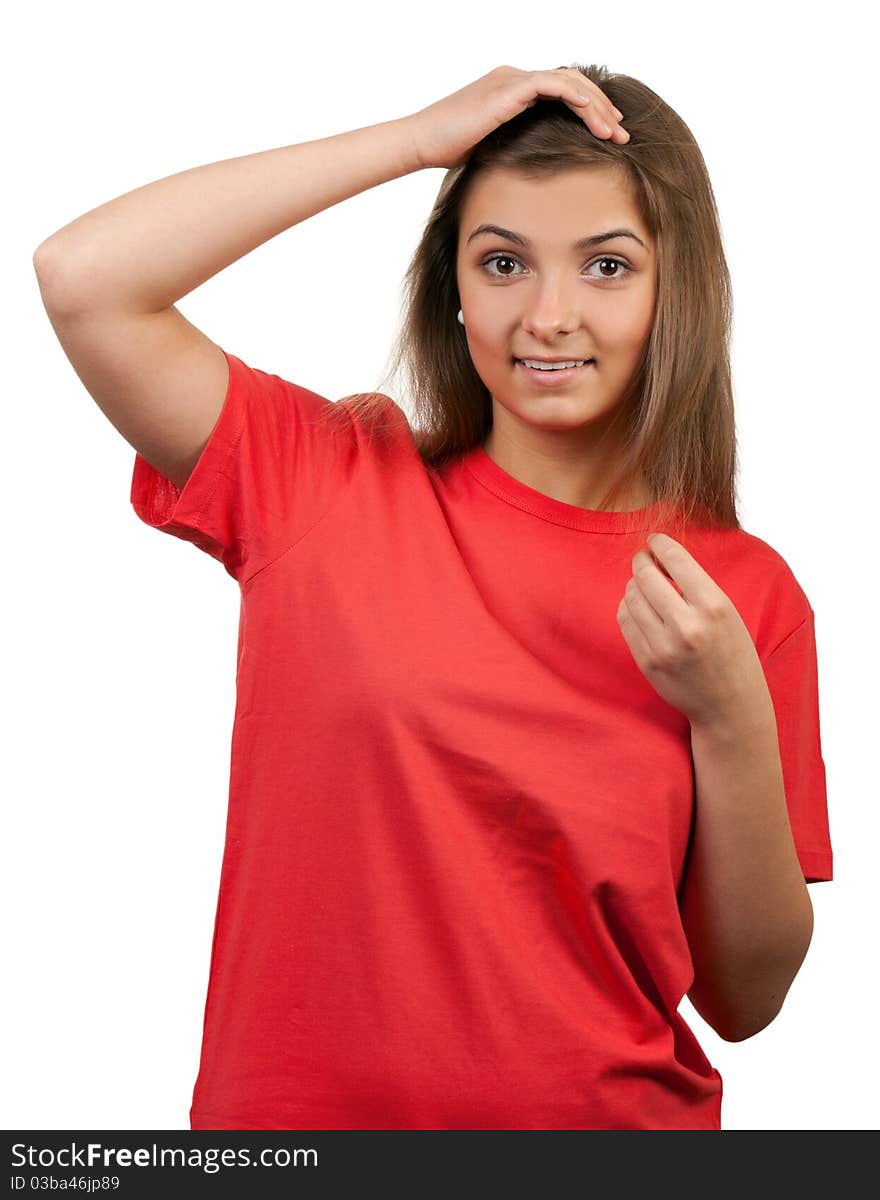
x=739 y=1003
x=760 y=1007
x=737 y=1022
x=61 y=284
x=746 y=1026
x=731 y=1024
x=738 y=1013
x=42 y=256
x=48 y=272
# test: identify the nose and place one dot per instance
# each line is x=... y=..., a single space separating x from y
x=552 y=309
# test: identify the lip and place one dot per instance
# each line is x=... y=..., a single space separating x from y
x=552 y=378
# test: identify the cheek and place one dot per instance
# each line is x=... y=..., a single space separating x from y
x=488 y=341
x=631 y=333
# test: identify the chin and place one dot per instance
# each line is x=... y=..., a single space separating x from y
x=567 y=409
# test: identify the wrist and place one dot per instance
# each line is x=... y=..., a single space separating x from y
x=410 y=156
x=750 y=716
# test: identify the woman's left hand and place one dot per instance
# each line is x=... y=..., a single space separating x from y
x=691 y=645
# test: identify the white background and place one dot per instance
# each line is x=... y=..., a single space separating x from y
x=120 y=643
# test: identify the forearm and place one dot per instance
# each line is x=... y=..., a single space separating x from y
x=146 y=249
x=744 y=902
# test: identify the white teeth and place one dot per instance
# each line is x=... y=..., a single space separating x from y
x=543 y=366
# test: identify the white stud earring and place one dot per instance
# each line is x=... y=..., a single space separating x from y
x=460 y=317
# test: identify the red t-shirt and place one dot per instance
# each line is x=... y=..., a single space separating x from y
x=458 y=812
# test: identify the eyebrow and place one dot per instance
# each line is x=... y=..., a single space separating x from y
x=582 y=244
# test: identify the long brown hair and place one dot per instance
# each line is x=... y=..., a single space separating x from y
x=678 y=416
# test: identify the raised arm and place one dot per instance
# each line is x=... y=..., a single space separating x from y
x=109 y=279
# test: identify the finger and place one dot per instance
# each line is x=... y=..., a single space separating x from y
x=601 y=122
x=697 y=587
x=657 y=589
x=612 y=113
x=581 y=93
x=597 y=105
x=635 y=637
x=645 y=615
x=585 y=80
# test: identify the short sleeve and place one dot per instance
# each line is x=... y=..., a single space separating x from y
x=269 y=472
x=791 y=671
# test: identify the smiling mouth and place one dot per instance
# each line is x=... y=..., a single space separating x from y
x=552 y=367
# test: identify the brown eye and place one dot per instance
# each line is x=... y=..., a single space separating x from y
x=614 y=262
x=498 y=258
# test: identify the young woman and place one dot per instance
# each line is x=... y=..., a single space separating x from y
x=526 y=743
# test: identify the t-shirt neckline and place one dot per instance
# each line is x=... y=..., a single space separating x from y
x=547 y=508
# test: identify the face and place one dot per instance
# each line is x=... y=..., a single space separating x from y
x=550 y=299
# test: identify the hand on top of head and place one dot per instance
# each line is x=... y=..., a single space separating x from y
x=445 y=132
